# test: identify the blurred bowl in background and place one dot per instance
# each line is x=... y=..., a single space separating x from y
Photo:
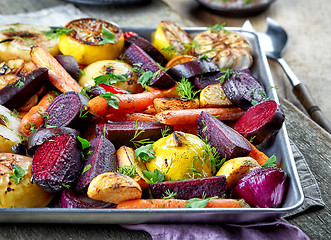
x=239 y=8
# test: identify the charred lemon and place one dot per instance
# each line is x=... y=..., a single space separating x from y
x=92 y=40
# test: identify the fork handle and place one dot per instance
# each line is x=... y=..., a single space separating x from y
x=302 y=93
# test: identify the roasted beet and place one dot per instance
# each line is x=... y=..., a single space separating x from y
x=192 y=68
x=261 y=121
x=39 y=137
x=204 y=80
x=120 y=133
x=57 y=164
x=17 y=93
x=101 y=158
x=135 y=56
x=70 y=64
x=67 y=110
x=147 y=46
x=242 y=89
x=193 y=188
x=71 y=199
x=228 y=143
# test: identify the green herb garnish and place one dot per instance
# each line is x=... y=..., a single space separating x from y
x=85 y=144
x=145 y=79
x=185 y=89
x=111 y=98
x=145 y=152
x=153 y=177
x=198 y=202
x=57 y=32
x=139 y=130
x=86 y=168
x=169 y=195
x=271 y=162
x=217 y=27
x=110 y=79
x=66 y=186
x=107 y=35
x=225 y=76
x=33 y=128
x=17 y=174
x=128 y=170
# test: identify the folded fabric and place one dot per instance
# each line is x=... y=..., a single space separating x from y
x=54 y=16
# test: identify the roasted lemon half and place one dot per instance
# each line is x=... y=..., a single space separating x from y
x=92 y=40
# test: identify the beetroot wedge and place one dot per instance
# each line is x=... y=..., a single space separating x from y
x=261 y=121
x=137 y=57
x=56 y=164
x=228 y=143
x=243 y=89
x=194 y=188
x=101 y=158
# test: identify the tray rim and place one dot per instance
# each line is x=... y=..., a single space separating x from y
x=45 y=214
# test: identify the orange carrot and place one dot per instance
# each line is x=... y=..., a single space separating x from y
x=58 y=76
x=188 y=128
x=128 y=103
x=130 y=117
x=36 y=114
x=190 y=116
x=32 y=101
x=255 y=153
x=175 y=203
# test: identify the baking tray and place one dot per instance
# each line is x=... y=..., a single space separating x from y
x=278 y=145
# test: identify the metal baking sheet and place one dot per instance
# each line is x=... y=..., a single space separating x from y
x=278 y=145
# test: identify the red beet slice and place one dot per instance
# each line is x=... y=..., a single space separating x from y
x=57 y=163
x=242 y=89
x=228 y=143
x=43 y=134
x=148 y=47
x=261 y=121
x=101 y=159
x=17 y=93
x=194 y=188
x=120 y=133
x=137 y=57
x=67 y=110
x=192 y=68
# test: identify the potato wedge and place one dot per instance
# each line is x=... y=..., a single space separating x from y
x=126 y=157
x=164 y=104
x=213 y=96
x=114 y=188
x=236 y=168
x=24 y=194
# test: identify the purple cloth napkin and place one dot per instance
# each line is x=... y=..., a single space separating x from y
x=278 y=230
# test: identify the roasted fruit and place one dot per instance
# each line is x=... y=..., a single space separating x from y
x=101 y=158
x=227 y=49
x=57 y=164
x=67 y=110
x=260 y=122
x=16 y=190
x=111 y=72
x=243 y=89
x=228 y=143
x=262 y=187
x=9 y=130
x=180 y=156
x=193 y=188
x=92 y=40
x=17 y=40
x=17 y=93
x=236 y=168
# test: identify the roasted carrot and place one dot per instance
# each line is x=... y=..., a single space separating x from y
x=128 y=103
x=255 y=153
x=58 y=76
x=36 y=114
x=32 y=101
x=190 y=116
x=130 y=117
x=176 y=203
x=188 y=128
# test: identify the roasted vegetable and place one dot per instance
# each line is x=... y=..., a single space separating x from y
x=213 y=96
x=70 y=64
x=261 y=121
x=180 y=156
x=228 y=143
x=235 y=169
x=114 y=188
x=16 y=190
x=164 y=104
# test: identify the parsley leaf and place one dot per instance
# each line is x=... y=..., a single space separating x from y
x=17 y=174
x=153 y=177
x=111 y=98
x=57 y=32
x=86 y=168
x=145 y=152
x=33 y=128
x=85 y=144
x=271 y=162
x=198 y=202
x=145 y=78
x=110 y=79
x=107 y=35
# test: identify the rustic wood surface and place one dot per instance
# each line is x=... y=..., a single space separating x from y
x=308 y=54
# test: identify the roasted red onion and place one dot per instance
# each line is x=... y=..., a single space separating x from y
x=71 y=199
x=262 y=187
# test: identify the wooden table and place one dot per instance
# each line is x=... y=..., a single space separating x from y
x=308 y=53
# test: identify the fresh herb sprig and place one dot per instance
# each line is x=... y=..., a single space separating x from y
x=169 y=195
x=128 y=170
x=110 y=78
x=112 y=99
x=185 y=89
x=153 y=177
x=198 y=202
x=57 y=32
x=145 y=152
x=107 y=36
x=271 y=162
x=17 y=174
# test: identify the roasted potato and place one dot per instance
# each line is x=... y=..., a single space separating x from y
x=213 y=96
x=20 y=193
x=236 y=168
x=114 y=188
x=164 y=104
